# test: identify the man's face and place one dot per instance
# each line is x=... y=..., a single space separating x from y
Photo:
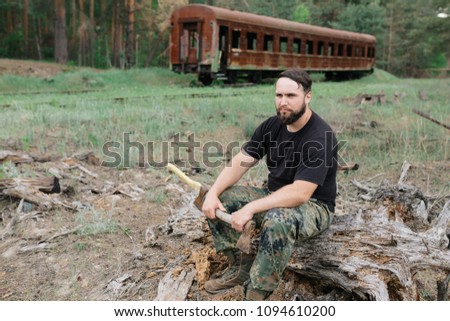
x=290 y=100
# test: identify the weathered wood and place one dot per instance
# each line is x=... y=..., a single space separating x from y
x=20 y=157
x=370 y=99
x=17 y=218
x=374 y=256
x=44 y=184
x=64 y=233
x=424 y=115
x=34 y=190
x=175 y=285
x=14 y=157
x=442 y=289
x=348 y=167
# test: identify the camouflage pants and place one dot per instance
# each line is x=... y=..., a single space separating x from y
x=280 y=230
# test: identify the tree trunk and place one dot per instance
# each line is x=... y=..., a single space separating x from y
x=391 y=23
x=115 y=28
x=82 y=35
x=152 y=47
x=9 y=20
x=38 y=38
x=129 y=47
x=92 y=33
x=25 y=28
x=73 y=40
x=60 y=32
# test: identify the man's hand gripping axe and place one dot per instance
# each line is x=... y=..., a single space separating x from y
x=244 y=241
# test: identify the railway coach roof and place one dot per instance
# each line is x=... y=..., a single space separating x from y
x=270 y=22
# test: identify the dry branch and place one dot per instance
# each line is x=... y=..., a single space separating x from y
x=74 y=230
x=424 y=115
x=17 y=218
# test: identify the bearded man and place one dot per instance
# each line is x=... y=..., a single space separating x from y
x=298 y=203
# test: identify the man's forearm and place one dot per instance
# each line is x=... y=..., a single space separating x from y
x=291 y=195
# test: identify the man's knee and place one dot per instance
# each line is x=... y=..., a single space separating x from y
x=315 y=219
x=277 y=222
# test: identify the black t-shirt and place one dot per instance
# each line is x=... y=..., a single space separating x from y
x=309 y=154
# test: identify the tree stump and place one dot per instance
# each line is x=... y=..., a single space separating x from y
x=374 y=254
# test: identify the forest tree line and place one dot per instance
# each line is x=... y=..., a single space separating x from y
x=135 y=33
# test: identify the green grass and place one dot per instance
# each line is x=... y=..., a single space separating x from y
x=95 y=222
x=155 y=104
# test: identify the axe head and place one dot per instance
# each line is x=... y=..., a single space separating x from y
x=198 y=202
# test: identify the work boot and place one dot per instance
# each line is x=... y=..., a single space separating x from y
x=237 y=273
x=252 y=294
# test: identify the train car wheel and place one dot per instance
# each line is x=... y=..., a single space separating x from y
x=231 y=77
x=206 y=80
x=255 y=77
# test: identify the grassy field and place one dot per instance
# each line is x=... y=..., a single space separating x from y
x=85 y=109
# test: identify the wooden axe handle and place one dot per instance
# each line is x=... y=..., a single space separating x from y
x=244 y=242
x=193 y=184
x=197 y=186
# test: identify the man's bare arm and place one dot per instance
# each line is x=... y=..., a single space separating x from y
x=292 y=195
x=229 y=176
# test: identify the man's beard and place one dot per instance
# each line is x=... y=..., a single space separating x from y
x=292 y=117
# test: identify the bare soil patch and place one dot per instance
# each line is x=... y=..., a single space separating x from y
x=31 y=68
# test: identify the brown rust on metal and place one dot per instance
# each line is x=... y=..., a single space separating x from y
x=204 y=39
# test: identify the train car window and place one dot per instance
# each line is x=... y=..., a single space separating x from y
x=297 y=45
x=341 y=50
x=251 y=40
x=349 y=50
x=309 y=48
x=283 y=44
x=331 y=49
x=320 y=48
x=357 y=51
x=236 y=39
x=223 y=35
x=268 y=43
x=363 y=52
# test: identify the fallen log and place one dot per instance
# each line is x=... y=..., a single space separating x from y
x=48 y=184
x=34 y=190
x=372 y=256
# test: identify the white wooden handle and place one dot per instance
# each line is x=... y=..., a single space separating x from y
x=193 y=184
x=223 y=216
x=197 y=186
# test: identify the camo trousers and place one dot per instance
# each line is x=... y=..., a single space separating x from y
x=280 y=230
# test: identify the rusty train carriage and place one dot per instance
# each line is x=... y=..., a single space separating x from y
x=218 y=43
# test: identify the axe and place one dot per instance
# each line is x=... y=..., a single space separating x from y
x=244 y=241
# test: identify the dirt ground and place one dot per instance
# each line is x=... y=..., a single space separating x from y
x=30 y=68
x=110 y=234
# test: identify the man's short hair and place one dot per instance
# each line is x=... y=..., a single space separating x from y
x=300 y=76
